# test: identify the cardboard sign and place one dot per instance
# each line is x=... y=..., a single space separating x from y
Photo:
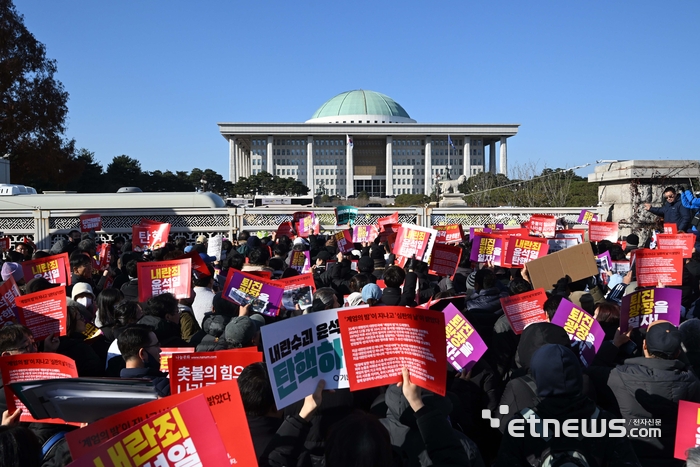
x=264 y=295
x=149 y=235
x=8 y=308
x=670 y=229
x=582 y=329
x=378 y=342
x=55 y=269
x=364 y=233
x=414 y=240
x=542 y=225
x=301 y=261
x=683 y=242
x=90 y=222
x=343 y=241
x=524 y=309
x=464 y=345
x=382 y=221
x=345 y=215
x=487 y=247
x=306 y=223
x=640 y=309
x=190 y=371
x=452 y=233
x=653 y=266
x=687 y=429
x=185 y=434
x=301 y=351
x=522 y=250
x=43 y=312
x=158 y=277
x=285 y=229
x=298 y=291
x=224 y=402
x=586 y=217
x=444 y=260
x=214 y=246
x=599 y=231
x=166 y=354
x=33 y=367
x=578 y=262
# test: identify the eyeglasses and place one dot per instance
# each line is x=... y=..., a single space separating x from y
x=25 y=349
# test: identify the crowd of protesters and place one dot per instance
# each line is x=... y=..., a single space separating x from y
x=637 y=375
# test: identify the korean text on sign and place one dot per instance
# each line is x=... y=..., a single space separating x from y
x=165 y=280
x=525 y=250
x=643 y=307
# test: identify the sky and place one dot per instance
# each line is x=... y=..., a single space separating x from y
x=587 y=81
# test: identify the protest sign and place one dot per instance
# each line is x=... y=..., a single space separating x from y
x=640 y=309
x=464 y=345
x=214 y=246
x=300 y=352
x=389 y=230
x=301 y=261
x=582 y=328
x=413 y=240
x=5 y=243
x=90 y=222
x=364 y=233
x=452 y=233
x=542 y=225
x=343 y=241
x=684 y=242
x=104 y=256
x=263 y=295
x=524 y=308
x=306 y=223
x=224 y=403
x=158 y=277
x=189 y=371
x=298 y=291
x=8 y=309
x=620 y=267
x=494 y=226
x=197 y=263
x=473 y=231
x=487 y=247
x=653 y=266
x=586 y=217
x=382 y=221
x=285 y=229
x=167 y=352
x=185 y=434
x=687 y=429
x=32 y=367
x=55 y=269
x=149 y=235
x=345 y=215
x=444 y=259
x=378 y=342
x=522 y=250
x=578 y=262
x=599 y=231
x=43 y=312
x=603 y=262
x=670 y=229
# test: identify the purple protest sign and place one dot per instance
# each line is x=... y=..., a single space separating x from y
x=494 y=226
x=464 y=345
x=477 y=230
x=640 y=309
x=487 y=247
x=301 y=261
x=582 y=329
x=243 y=289
x=586 y=217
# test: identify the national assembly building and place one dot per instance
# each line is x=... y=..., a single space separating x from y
x=365 y=141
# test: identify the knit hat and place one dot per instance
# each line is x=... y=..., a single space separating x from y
x=366 y=264
x=241 y=330
x=254 y=242
x=371 y=291
x=632 y=240
x=12 y=269
x=324 y=255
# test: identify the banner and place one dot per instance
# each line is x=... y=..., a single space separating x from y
x=487 y=247
x=345 y=215
x=90 y=222
x=298 y=291
x=464 y=345
x=640 y=309
x=653 y=266
x=158 y=277
x=524 y=309
x=190 y=371
x=344 y=241
x=242 y=289
x=687 y=429
x=452 y=233
x=414 y=240
x=185 y=434
x=149 y=235
x=378 y=342
x=301 y=261
x=684 y=242
x=599 y=231
x=543 y=225
x=382 y=221
x=225 y=404
x=55 y=269
x=300 y=352
x=32 y=367
x=586 y=217
x=8 y=308
x=214 y=246
x=444 y=260
x=522 y=250
x=583 y=330
x=306 y=223
x=670 y=229
x=43 y=312
x=364 y=233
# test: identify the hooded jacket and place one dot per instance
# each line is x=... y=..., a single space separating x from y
x=486 y=300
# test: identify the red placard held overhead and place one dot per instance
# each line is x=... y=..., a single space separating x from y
x=670 y=229
x=383 y=221
x=379 y=341
x=90 y=222
x=344 y=241
x=524 y=309
x=149 y=235
x=543 y=225
x=521 y=250
x=43 y=312
x=158 y=277
x=364 y=233
x=413 y=240
x=452 y=233
x=653 y=266
x=599 y=231
x=444 y=260
x=684 y=242
x=286 y=229
x=55 y=269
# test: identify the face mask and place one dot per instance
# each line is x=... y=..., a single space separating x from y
x=151 y=363
x=85 y=301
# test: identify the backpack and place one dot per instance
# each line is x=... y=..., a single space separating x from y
x=695 y=221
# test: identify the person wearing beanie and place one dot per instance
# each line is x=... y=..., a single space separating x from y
x=12 y=270
x=632 y=241
x=366 y=266
x=242 y=331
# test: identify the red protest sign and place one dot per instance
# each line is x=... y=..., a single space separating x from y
x=198 y=263
x=412 y=240
x=90 y=222
x=521 y=250
x=683 y=242
x=452 y=233
x=43 y=312
x=383 y=221
x=653 y=266
x=166 y=354
x=670 y=229
x=8 y=309
x=525 y=308
x=687 y=428
x=185 y=434
x=543 y=225
x=55 y=269
x=444 y=259
x=285 y=228
x=189 y=371
x=149 y=235
x=104 y=256
x=5 y=243
x=33 y=367
x=224 y=403
x=158 y=277
x=344 y=241
x=378 y=342
x=599 y=231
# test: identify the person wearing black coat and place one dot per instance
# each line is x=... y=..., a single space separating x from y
x=394 y=277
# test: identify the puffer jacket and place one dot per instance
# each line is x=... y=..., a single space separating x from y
x=486 y=300
x=211 y=336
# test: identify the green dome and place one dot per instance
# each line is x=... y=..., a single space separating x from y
x=360 y=102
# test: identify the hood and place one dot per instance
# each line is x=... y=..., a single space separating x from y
x=535 y=336
x=557 y=371
x=399 y=410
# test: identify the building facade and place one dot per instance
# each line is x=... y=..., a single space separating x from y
x=365 y=141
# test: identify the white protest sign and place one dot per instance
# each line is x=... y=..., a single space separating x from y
x=214 y=246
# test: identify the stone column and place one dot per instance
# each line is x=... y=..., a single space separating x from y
x=389 y=166
x=492 y=157
x=504 y=157
x=467 y=170
x=428 y=166
x=310 y=181
x=350 y=171
x=270 y=160
x=232 y=160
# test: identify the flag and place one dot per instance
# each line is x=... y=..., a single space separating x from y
x=449 y=141
x=349 y=141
